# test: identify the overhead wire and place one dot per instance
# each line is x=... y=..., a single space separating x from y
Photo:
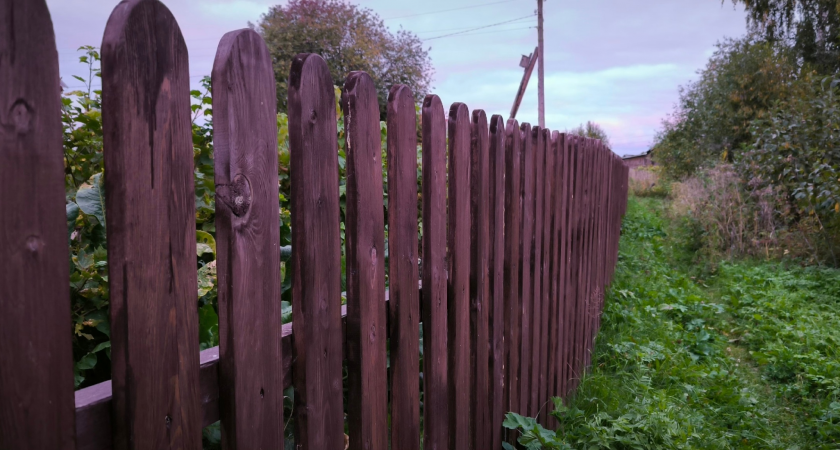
x=448 y=10
x=478 y=28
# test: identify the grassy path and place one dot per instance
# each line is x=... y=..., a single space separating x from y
x=700 y=356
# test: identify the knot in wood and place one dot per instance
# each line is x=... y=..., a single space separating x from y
x=236 y=195
x=21 y=116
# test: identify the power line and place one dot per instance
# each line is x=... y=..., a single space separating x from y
x=492 y=31
x=447 y=10
x=452 y=29
x=479 y=28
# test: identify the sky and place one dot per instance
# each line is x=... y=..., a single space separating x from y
x=618 y=63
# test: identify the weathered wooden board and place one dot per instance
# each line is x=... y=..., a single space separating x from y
x=36 y=370
x=496 y=310
x=525 y=272
x=247 y=243
x=403 y=273
x=316 y=260
x=545 y=268
x=367 y=400
x=479 y=280
x=459 y=276
x=435 y=305
x=537 y=141
x=512 y=299
x=151 y=229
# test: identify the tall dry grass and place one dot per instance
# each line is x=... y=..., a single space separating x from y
x=735 y=217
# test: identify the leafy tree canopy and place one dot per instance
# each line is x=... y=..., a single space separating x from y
x=741 y=82
x=349 y=38
x=810 y=27
x=591 y=130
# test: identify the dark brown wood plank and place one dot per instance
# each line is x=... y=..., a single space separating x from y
x=479 y=280
x=525 y=274
x=573 y=264
x=248 y=243
x=367 y=401
x=537 y=141
x=549 y=272
x=316 y=260
x=435 y=306
x=545 y=268
x=151 y=229
x=459 y=276
x=562 y=221
x=36 y=370
x=403 y=270
x=496 y=309
x=512 y=299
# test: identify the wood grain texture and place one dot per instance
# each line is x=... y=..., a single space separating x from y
x=151 y=229
x=496 y=310
x=573 y=265
x=562 y=230
x=552 y=274
x=435 y=304
x=36 y=371
x=525 y=274
x=316 y=260
x=479 y=280
x=403 y=272
x=247 y=243
x=537 y=336
x=458 y=288
x=545 y=268
x=367 y=400
x=512 y=299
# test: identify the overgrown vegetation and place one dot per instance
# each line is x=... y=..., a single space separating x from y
x=693 y=354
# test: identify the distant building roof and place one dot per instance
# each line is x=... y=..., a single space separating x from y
x=647 y=153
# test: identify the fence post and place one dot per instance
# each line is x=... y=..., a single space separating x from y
x=316 y=259
x=459 y=276
x=435 y=307
x=403 y=273
x=151 y=229
x=496 y=311
x=479 y=277
x=36 y=370
x=248 y=243
x=513 y=302
x=367 y=400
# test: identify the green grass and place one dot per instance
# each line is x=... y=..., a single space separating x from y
x=706 y=355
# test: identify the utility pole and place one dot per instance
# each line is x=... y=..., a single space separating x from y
x=541 y=69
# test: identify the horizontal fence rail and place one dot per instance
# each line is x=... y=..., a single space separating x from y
x=520 y=229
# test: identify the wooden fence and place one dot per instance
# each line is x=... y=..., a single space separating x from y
x=519 y=240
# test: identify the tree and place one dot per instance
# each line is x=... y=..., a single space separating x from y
x=743 y=79
x=810 y=27
x=591 y=130
x=349 y=38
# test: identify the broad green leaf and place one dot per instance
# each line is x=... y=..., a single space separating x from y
x=208 y=327
x=91 y=198
x=205 y=243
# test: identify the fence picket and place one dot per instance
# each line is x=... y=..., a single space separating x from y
x=512 y=299
x=545 y=268
x=496 y=310
x=435 y=306
x=459 y=275
x=536 y=270
x=248 y=243
x=36 y=371
x=525 y=277
x=316 y=259
x=554 y=270
x=479 y=277
x=403 y=275
x=151 y=229
x=367 y=402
